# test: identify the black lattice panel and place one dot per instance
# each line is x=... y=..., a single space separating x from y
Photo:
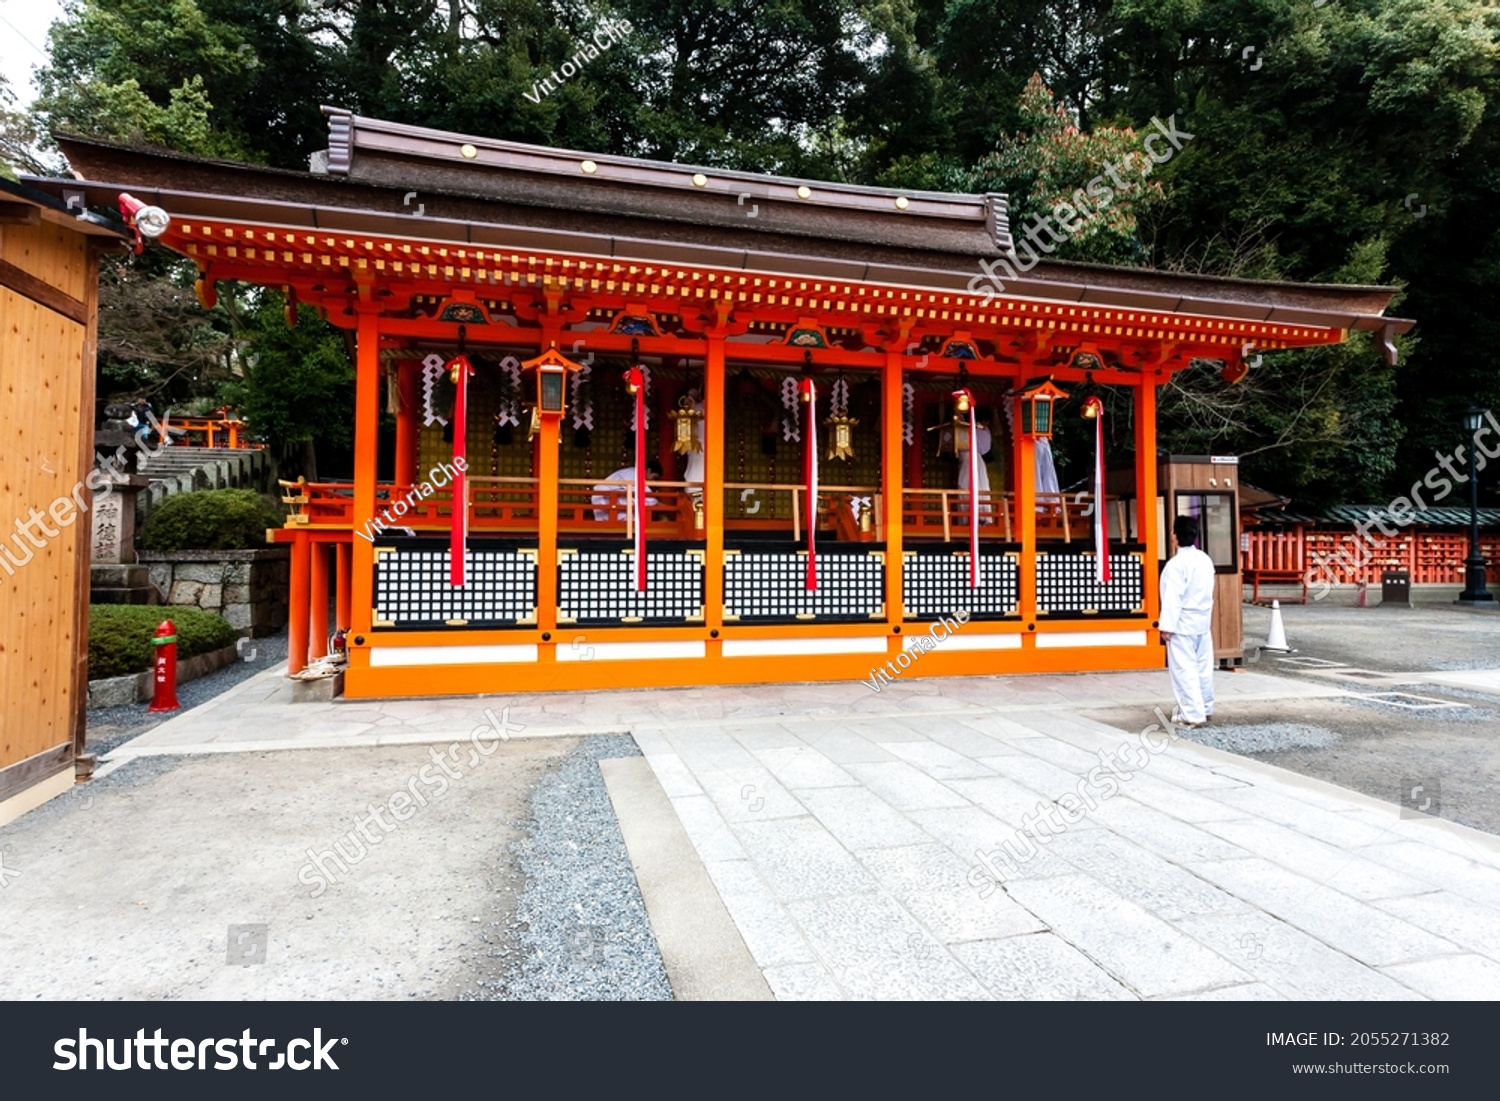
x=771 y=586
x=1065 y=583
x=599 y=587
x=412 y=589
x=934 y=585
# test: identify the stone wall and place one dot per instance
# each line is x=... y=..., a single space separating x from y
x=246 y=587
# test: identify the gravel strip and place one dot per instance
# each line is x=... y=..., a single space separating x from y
x=1261 y=737
x=581 y=923
x=111 y=727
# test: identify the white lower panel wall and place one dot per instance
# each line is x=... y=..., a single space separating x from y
x=1056 y=640
x=386 y=656
x=795 y=647
x=580 y=649
x=968 y=642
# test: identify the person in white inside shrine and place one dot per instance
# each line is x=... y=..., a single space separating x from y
x=1186 y=624
x=617 y=485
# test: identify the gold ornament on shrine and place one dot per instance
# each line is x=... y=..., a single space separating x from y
x=841 y=436
x=685 y=418
x=963 y=400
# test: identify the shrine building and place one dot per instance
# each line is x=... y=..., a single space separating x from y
x=806 y=363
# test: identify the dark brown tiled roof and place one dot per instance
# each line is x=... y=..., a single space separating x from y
x=423 y=184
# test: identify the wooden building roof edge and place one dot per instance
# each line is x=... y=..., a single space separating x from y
x=748 y=209
x=54 y=209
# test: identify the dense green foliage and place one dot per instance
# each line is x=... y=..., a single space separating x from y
x=120 y=636
x=1355 y=141
x=211 y=519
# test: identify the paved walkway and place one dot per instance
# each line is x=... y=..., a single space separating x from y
x=855 y=837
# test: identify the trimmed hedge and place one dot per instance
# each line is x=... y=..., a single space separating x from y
x=120 y=636
x=211 y=519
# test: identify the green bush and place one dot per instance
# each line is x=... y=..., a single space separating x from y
x=211 y=519
x=120 y=635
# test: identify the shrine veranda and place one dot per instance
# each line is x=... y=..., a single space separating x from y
x=594 y=265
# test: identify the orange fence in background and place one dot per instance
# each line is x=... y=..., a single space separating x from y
x=1431 y=557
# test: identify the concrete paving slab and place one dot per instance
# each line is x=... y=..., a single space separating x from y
x=1355 y=928
x=931 y=883
x=1148 y=955
x=859 y=819
x=1042 y=967
x=1453 y=978
x=874 y=949
x=1289 y=961
x=765 y=924
x=803 y=982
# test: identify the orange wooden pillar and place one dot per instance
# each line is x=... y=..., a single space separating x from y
x=547 y=464
x=318 y=596
x=893 y=479
x=343 y=555
x=1146 y=489
x=715 y=407
x=298 y=616
x=408 y=386
x=366 y=443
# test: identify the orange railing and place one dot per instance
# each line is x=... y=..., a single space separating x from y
x=774 y=506
x=586 y=505
x=944 y=513
x=495 y=504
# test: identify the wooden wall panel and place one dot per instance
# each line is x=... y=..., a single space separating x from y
x=42 y=362
x=54 y=254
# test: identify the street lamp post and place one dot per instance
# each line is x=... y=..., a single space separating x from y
x=1474 y=587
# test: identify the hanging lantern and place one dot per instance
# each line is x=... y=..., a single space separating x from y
x=684 y=418
x=841 y=424
x=552 y=369
x=841 y=436
x=1036 y=407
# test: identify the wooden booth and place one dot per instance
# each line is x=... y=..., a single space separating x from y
x=49 y=263
x=818 y=369
x=1205 y=487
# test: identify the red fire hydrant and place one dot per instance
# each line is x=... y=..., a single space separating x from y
x=165 y=641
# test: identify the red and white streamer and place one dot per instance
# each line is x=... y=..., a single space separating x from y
x=635 y=382
x=459 y=370
x=809 y=394
x=1101 y=517
x=967 y=397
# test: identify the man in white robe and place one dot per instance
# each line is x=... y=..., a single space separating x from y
x=616 y=490
x=1186 y=625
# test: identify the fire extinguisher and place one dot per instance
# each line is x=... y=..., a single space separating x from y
x=164 y=698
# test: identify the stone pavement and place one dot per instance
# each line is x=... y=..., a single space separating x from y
x=846 y=831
